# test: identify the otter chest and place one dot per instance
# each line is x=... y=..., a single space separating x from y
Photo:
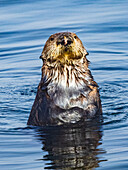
x=67 y=92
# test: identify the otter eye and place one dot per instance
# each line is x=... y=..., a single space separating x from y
x=52 y=39
x=75 y=37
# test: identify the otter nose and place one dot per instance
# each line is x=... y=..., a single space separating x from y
x=64 y=41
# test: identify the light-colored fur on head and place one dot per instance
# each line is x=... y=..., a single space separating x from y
x=55 y=52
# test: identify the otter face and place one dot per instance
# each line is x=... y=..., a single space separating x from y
x=64 y=47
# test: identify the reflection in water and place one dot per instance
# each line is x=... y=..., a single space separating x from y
x=72 y=147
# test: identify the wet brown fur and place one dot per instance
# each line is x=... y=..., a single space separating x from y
x=67 y=92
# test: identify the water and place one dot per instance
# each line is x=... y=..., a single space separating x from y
x=103 y=28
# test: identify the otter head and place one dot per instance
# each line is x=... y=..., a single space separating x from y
x=64 y=48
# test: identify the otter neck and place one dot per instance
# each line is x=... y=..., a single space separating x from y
x=66 y=75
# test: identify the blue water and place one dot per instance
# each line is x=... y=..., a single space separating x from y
x=24 y=28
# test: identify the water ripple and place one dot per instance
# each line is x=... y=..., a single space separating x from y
x=102 y=27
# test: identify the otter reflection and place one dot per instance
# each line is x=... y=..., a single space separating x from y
x=73 y=147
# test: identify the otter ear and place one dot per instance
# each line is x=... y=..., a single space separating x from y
x=41 y=57
x=85 y=52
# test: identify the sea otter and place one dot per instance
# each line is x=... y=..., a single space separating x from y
x=67 y=92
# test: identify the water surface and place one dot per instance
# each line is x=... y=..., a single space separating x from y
x=103 y=28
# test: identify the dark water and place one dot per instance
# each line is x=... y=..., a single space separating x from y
x=103 y=28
